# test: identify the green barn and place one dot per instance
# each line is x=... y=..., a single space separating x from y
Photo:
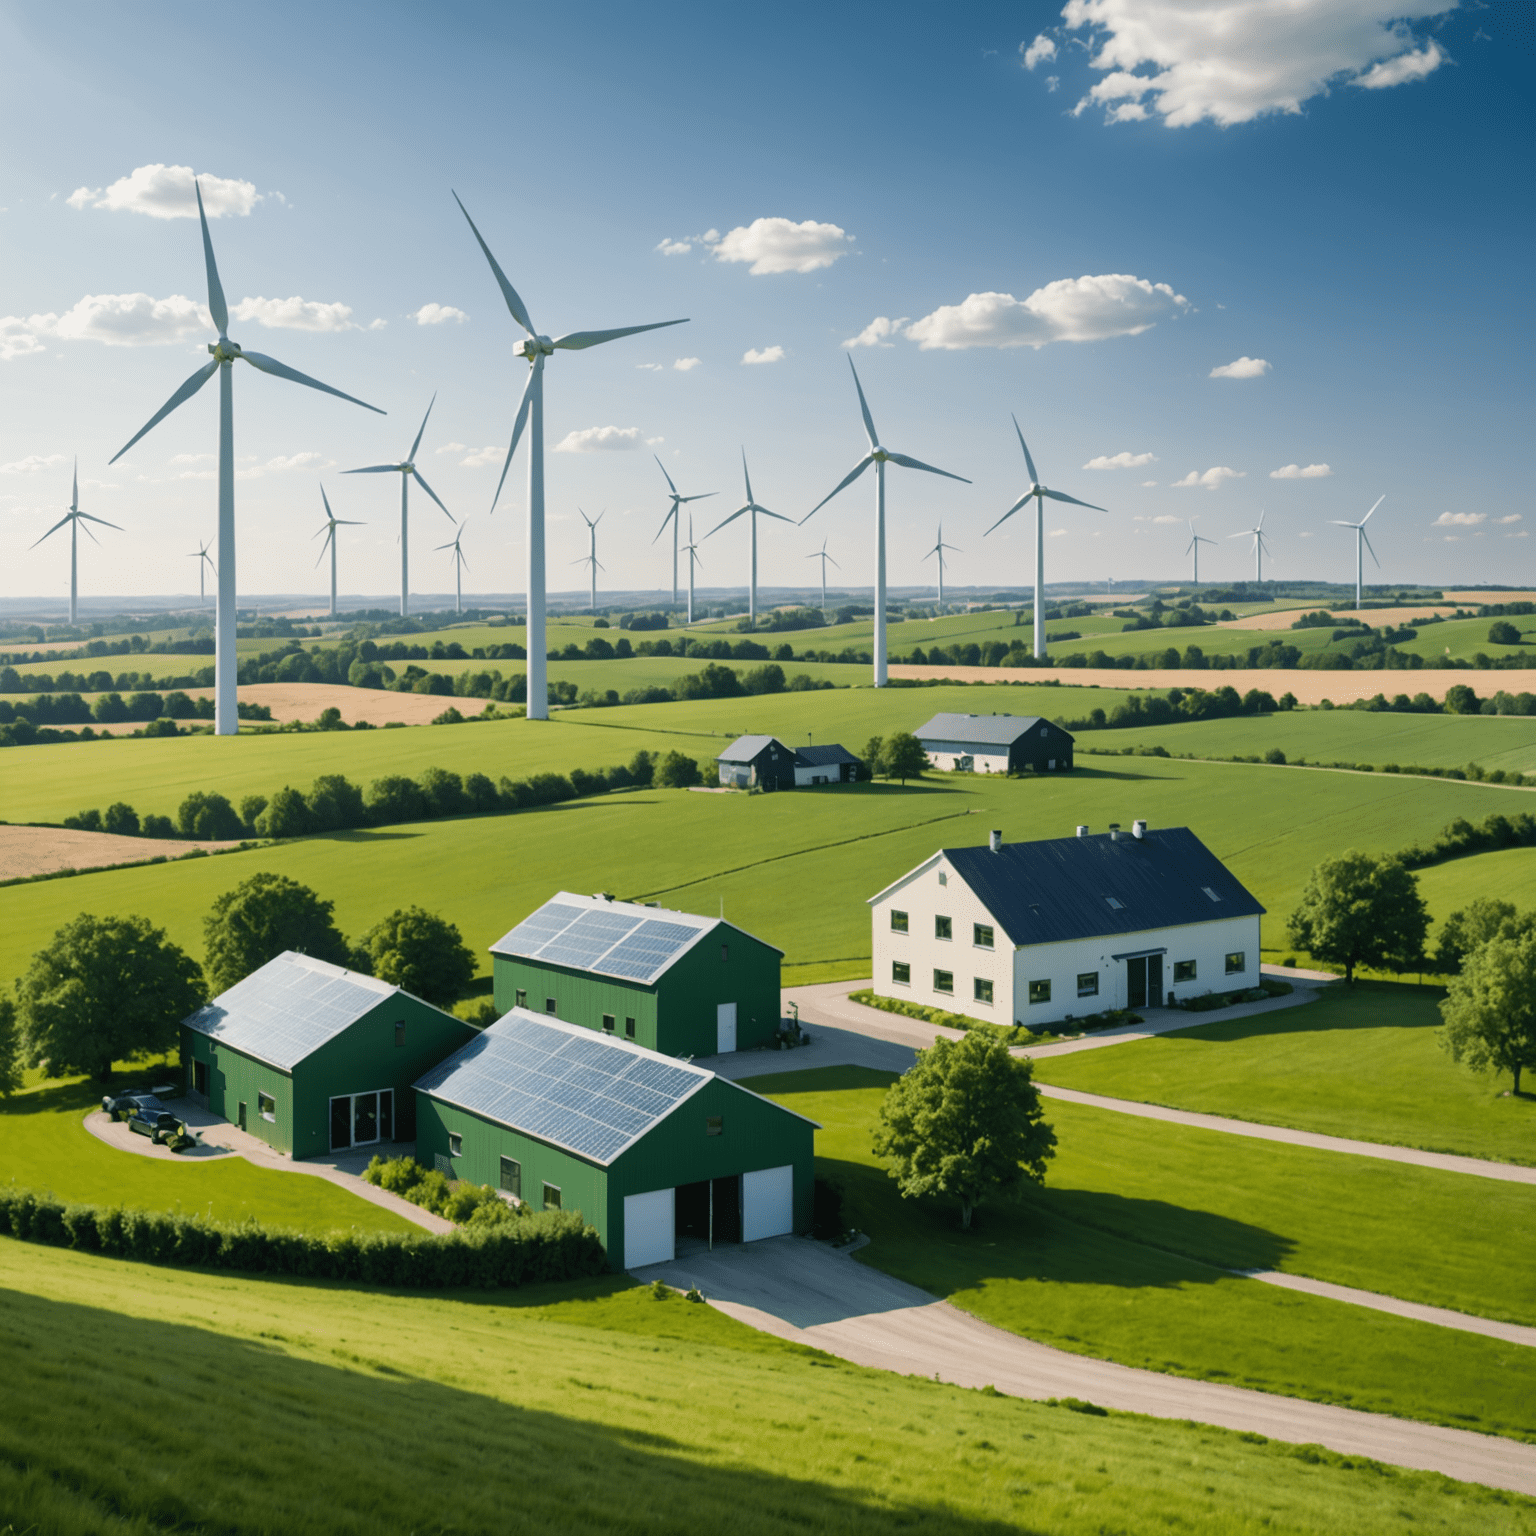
x=313 y=1058
x=677 y=983
x=650 y=1151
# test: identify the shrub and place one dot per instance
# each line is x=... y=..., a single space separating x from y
x=335 y=803
x=677 y=771
x=158 y=826
x=208 y=817
x=121 y=819
x=395 y=798
x=444 y=792
x=286 y=815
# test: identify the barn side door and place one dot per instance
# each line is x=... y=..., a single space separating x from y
x=725 y=1028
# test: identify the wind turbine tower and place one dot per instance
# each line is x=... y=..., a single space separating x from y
x=1362 y=543
x=879 y=457
x=1195 y=541
x=750 y=509
x=535 y=347
x=822 y=555
x=328 y=528
x=460 y=565
x=691 y=549
x=226 y=354
x=673 y=517
x=590 y=558
x=204 y=560
x=1259 y=547
x=938 y=549
x=74 y=517
x=1041 y=495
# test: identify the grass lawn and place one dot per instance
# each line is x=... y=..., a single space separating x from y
x=1113 y=1258
x=1363 y=1063
x=43 y=1145
x=638 y=1415
x=1509 y=874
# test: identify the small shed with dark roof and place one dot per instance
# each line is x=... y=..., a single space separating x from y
x=757 y=762
x=995 y=744
x=830 y=764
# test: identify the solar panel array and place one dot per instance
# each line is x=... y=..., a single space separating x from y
x=285 y=1011
x=610 y=940
x=577 y=1089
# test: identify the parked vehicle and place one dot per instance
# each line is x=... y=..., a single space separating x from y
x=117 y=1105
x=147 y=1118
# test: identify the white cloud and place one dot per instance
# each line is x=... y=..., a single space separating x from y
x=1121 y=461
x=298 y=314
x=1147 y=485
x=1514 y=517
x=1070 y=309
x=1166 y=518
x=1052 y=82
x=437 y=314
x=1211 y=479
x=780 y=245
x=674 y=247
x=1242 y=368
x=599 y=440
x=31 y=464
x=450 y=448
x=684 y=364
x=763 y=355
x=1459 y=519
x=1300 y=472
x=18 y=336
x=877 y=332
x=1057 y=533
x=165 y=192
x=1230 y=63
x=490 y=454
x=652 y=442
x=649 y=367
x=1041 y=51
x=127 y=320
x=1522 y=534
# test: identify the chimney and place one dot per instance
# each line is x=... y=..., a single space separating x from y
x=995 y=841
x=1082 y=831
x=1138 y=830
x=1114 y=831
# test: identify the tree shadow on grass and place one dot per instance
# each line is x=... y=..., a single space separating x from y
x=1080 y=772
x=81 y=1452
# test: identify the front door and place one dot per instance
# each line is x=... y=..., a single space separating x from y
x=341 y=1124
x=365 y=1118
x=1154 y=981
x=725 y=1028
x=1144 y=982
x=240 y=1118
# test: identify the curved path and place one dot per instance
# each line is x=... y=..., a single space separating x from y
x=810 y=1294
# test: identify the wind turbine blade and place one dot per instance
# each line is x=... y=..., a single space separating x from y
x=181 y=396
x=435 y=497
x=668 y=478
x=847 y=480
x=92 y=537
x=702 y=496
x=1364 y=535
x=51 y=531
x=716 y=529
x=869 y=421
x=1247 y=533
x=508 y=292
x=1021 y=502
x=766 y=513
x=1364 y=520
x=520 y=422
x=579 y=341
x=74 y=494
x=330 y=516
x=1029 y=463
x=417 y=443
x=667 y=519
x=216 y=305
x=1338 y=522
x=91 y=517
x=1062 y=496
x=283 y=371
x=330 y=533
x=374 y=469
x=834 y=562
x=910 y=463
x=746 y=474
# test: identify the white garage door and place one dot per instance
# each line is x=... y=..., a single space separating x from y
x=648 y=1228
x=767 y=1203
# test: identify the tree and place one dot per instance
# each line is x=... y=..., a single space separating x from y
x=1490 y=1008
x=423 y=953
x=904 y=757
x=120 y=818
x=287 y=815
x=1360 y=910
x=259 y=919
x=104 y=989
x=1468 y=928
x=1503 y=632
x=874 y=762
x=208 y=817
x=677 y=771
x=642 y=767
x=10 y=1049
x=335 y=803
x=965 y=1123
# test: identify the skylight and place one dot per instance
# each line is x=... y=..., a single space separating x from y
x=1114 y=904
x=1209 y=892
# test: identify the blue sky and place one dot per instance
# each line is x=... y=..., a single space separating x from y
x=1073 y=215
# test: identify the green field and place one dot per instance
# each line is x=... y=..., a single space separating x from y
x=1509 y=874
x=1121 y=1256
x=619 y=1412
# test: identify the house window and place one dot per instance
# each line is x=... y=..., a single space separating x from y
x=901 y=971
x=981 y=989
x=1039 y=991
x=943 y=928
x=725 y=953
x=399 y=1034
x=943 y=981
x=455 y=1144
x=981 y=936
x=266 y=1106
x=551 y=1197
x=943 y=878
x=512 y=1177
x=549 y=1005
x=714 y=1125
x=1183 y=970
x=898 y=921
x=522 y=998
x=1087 y=984
x=1114 y=904
x=1209 y=892
x=1237 y=962
x=607 y=1023
x=629 y=1029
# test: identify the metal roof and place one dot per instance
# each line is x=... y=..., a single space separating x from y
x=1091 y=887
x=745 y=748
x=823 y=757
x=575 y=1088
x=991 y=730
x=289 y=1008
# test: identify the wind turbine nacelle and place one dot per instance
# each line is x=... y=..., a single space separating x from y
x=225 y=350
x=533 y=345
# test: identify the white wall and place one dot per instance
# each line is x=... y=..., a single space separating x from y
x=986 y=757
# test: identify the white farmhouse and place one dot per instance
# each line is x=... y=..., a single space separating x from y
x=1036 y=933
x=995 y=744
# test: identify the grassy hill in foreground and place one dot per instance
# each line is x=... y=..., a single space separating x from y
x=596 y=1408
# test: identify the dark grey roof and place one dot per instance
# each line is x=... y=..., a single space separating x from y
x=1062 y=888
x=745 y=748
x=581 y=1090
x=823 y=757
x=289 y=1008
x=992 y=730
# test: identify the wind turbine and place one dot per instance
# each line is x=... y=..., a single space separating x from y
x=1195 y=541
x=74 y=517
x=225 y=354
x=938 y=549
x=590 y=558
x=879 y=457
x=750 y=507
x=204 y=560
x=535 y=348
x=328 y=528
x=1041 y=495
x=691 y=549
x=460 y=565
x=672 y=517
x=822 y=555
x=405 y=470
x=1257 y=535
x=1361 y=538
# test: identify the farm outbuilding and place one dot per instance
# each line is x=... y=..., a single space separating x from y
x=1038 y=933
x=675 y=982
x=764 y=762
x=650 y=1151
x=313 y=1058
x=995 y=744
